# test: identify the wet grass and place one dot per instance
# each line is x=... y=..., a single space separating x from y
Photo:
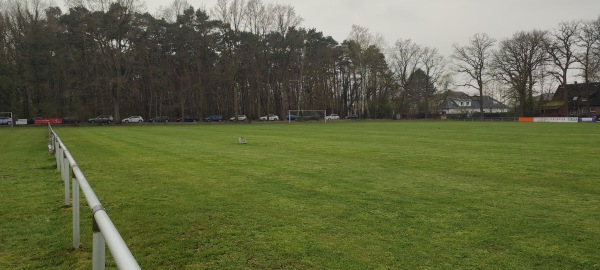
x=346 y=195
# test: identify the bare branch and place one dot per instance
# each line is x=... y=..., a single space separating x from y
x=561 y=47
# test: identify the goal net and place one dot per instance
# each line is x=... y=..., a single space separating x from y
x=306 y=115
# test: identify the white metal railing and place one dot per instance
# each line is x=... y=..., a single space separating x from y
x=104 y=231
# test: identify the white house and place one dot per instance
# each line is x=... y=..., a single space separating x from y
x=461 y=103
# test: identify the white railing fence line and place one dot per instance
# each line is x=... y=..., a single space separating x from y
x=104 y=231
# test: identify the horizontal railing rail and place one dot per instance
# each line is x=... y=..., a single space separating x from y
x=104 y=231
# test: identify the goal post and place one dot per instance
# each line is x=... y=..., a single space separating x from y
x=306 y=115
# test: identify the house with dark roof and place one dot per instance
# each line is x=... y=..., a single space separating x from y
x=460 y=103
x=578 y=99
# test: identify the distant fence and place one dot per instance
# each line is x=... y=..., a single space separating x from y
x=487 y=119
x=558 y=119
x=104 y=231
x=527 y=119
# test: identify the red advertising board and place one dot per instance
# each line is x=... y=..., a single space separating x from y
x=45 y=121
x=526 y=119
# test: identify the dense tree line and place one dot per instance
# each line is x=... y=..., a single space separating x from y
x=247 y=57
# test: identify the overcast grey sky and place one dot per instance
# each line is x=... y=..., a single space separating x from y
x=433 y=23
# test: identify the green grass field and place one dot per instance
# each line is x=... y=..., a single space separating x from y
x=347 y=195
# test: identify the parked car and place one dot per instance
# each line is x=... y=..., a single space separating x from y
x=133 y=119
x=240 y=117
x=5 y=121
x=188 y=118
x=213 y=118
x=352 y=116
x=291 y=117
x=332 y=117
x=70 y=120
x=310 y=117
x=270 y=117
x=101 y=119
x=31 y=120
x=159 y=119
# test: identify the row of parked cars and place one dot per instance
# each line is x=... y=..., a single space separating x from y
x=108 y=119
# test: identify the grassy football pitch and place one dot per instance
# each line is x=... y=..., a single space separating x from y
x=340 y=195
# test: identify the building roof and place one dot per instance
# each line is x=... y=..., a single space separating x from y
x=451 y=102
x=553 y=105
x=575 y=93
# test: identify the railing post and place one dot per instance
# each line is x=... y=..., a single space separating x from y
x=76 y=222
x=66 y=174
x=99 y=244
x=57 y=155
x=99 y=252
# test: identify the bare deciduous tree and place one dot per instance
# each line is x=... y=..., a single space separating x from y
x=405 y=59
x=434 y=66
x=285 y=17
x=365 y=43
x=516 y=63
x=589 y=56
x=362 y=36
x=258 y=17
x=27 y=9
x=104 y=5
x=230 y=13
x=170 y=13
x=561 y=47
x=473 y=60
